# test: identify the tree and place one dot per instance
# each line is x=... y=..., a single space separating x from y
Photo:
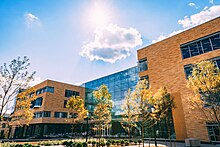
x=23 y=114
x=129 y=114
x=76 y=107
x=13 y=78
x=102 y=111
x=205 y=83
x=141 y=96
x=162 y=104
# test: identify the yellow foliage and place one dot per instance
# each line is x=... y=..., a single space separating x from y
x=205 y=83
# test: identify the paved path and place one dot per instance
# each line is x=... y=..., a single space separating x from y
x=180 y=144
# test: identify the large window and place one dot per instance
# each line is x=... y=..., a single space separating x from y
x=70 y=93
x=42 y=114
x=60 y=114
x=45 y=89
x=201 y=46
x=36 y=103
x=142 y=65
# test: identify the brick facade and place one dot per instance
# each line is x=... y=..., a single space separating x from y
x=166 y=68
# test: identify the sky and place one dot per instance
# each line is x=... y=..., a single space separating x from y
x=76 y=41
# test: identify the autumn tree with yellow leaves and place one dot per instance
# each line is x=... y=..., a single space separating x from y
x=141 y=95
x=77 y=111
x=162 y=104
x=205 y=83
x=102 y=112
x=129 y=113
x=23 y=113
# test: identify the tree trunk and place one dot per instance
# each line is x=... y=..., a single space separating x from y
x=142 y=133
x=129 y=133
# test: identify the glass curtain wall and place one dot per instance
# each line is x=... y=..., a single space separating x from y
x=118 y=85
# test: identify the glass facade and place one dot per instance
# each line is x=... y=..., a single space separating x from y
x=118 y=85
x=201 y=46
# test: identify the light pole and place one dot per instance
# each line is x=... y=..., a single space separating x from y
x=87 y=125
x=155 y=137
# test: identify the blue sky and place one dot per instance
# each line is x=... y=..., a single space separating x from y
x=75 y=41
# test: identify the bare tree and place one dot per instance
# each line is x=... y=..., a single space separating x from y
x=13 y=78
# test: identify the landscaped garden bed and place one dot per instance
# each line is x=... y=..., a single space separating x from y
x=81 y=143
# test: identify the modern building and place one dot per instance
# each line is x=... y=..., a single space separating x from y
x=165 y=64
x=118 y=85
x=169 y=63
x=50 y=113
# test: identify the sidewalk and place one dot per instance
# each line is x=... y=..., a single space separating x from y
x=177 y=144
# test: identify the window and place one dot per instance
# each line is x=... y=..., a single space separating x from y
x=60 y=114
x=201 y=46
x=213 y=131
x=64 y=104
x=188 y=70
x=46 y=114
x=36 y=103
x=42 y=114
x=142 y=64
x=70 y=93
x=37 y=114
x=50 y=89
x=45 y=89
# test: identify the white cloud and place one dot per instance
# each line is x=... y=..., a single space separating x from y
x=201 y=17
x=205 y=8
x=111 y=43
x=31 y=20
x=187 y=22
x=192 y=4
x=211 y=1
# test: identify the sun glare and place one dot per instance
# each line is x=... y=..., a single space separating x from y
x=99 y=15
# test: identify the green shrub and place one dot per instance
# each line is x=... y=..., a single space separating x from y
x=79 y=144
x=89 y=142
x=102 y=143
x=135 y=142
x=108 y=143
x=122 y=142
x=118 y=142
x=65 y=143
x=27 y=145
x=126 y=143
x=130 y=140
x=84 y=144
x=139 y=141
x=125 y=140
x=93 y=143
x=113 y=142
x=18 y=145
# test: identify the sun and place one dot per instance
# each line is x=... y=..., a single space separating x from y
x=99 y=15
